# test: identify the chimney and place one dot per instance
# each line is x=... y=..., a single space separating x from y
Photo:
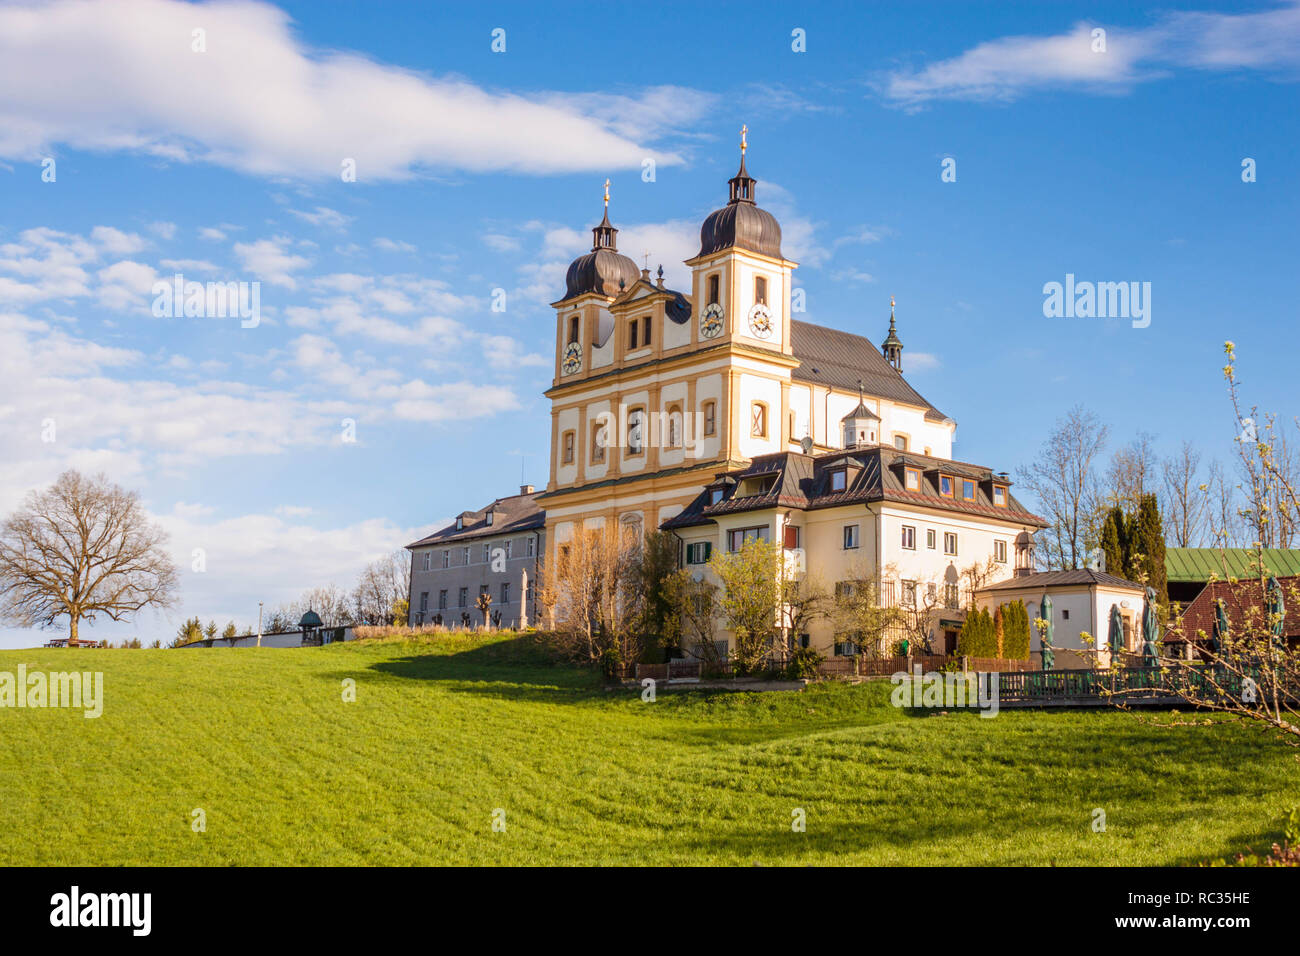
x=525 y=489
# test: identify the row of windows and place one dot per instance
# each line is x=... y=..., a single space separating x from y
x=462 y=596
x=636 y=438
x=467 y=552
x=904 y=592
x=736 y=538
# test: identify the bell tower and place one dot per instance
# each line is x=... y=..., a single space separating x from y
x=740 y=279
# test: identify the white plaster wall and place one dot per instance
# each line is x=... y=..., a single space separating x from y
x=594 y=410
x=670 y=395
x=755 y=388
x=567 y=420
x=708 y=388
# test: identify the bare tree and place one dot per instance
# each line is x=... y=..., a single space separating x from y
x=858 y=614
x=1223 y=515
x=1187 y=498
x=593 y=598
x=695 y=601
x=383 y=584
x=82 y=548
x=1132 y=473
x=1063 y=480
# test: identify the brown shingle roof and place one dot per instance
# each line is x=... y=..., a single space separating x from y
x=1056 y=579
x=875 y=474
x=839 y=359
x=511 y=515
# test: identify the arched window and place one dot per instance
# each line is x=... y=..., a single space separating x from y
x=713 y=288
x=674 y=427
x=573 y=330
x=635 y=431
x=758 y=420
x=760 y=289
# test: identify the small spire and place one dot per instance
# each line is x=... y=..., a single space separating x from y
x=603 y=236
x=742 y=184
x=661 y=275
x=860 y=397
x=892 y=347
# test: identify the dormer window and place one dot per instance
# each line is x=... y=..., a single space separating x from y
x=460 y=524
x=839 y=479
x=999 y=496
x=715 y=496
x=946 y=485
x=912 y=479
x=758 y=485
x=491 y=516
x=968 y=490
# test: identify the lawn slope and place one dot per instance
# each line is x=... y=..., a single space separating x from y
x=442 y=735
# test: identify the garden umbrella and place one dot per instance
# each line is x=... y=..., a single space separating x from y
x=1150 y=630
x=1220 y=636
x=1276 y=612
x=1045 y=635
x=1116 y=636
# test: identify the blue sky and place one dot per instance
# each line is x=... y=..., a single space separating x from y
x=479 y=170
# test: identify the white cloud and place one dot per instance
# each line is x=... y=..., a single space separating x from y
x=115 y=241
x=323 y=216
x=393 y=245
x=261 y=101
x=212 y=234
x=163 y=230
x=1008 y=67
x=920 y=361
x=269 y=259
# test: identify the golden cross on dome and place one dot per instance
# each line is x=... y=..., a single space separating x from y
x=743 y=131
x=891 y=303
x=607 y=194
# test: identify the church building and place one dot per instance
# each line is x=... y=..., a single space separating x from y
x=714 y=414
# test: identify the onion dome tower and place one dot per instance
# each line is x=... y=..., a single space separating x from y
x=892 y=347
x=602 y=270
x=740 y=223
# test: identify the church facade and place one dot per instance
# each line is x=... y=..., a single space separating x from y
x=713 y=414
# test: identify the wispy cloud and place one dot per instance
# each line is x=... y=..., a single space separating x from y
x=258 y=99
x=1008 y=68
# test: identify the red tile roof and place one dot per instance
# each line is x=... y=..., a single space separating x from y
x=1246 y=606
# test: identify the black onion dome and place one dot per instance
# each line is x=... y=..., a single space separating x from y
x=603 y=270
x=741 y=223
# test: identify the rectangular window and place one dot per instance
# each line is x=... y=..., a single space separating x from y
x=843 y=589
x=597 y=443
x=465 y=556
x=505 y=592
x=951 y=595
x=645 y=331
x=567 y=458
x=1000 y=552
x=968 y=490
x=487 y=553
x=531 y=547
x=424 y=602
x=909 y=537
x=912 y=479
x=510 y=546
x=945 y=485
x=1000 y=496
x=442 y=600
x=428 y=561
x=631 y=335
x=760 y=289
x=710 y=418
x=737 y=537
x=909 y=593
x=949 y=542
x=839 y=479
x=931 y=590
x=715 y=496
x=699 y=552
x=1065 y=614
x=635 y=434
x=463 y=595
x=573 y=330
x=446 y=559
x=900 y=442
x=929 y=538
x=791 y=536
x=850 y=537
x=713 y=289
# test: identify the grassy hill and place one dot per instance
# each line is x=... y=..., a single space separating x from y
x=441 y=735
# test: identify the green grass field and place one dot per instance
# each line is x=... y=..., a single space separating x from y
x=441 y=735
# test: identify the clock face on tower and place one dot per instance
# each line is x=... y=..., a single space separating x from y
x=760 y=321
x=711 y=320
x=572 y=359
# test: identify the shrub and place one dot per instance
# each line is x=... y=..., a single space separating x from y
x=978 y=637
x=1015 y=631
x=803 y=664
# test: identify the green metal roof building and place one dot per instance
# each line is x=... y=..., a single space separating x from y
x=1190 y=569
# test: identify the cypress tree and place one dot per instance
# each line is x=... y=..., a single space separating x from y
x=1149 y=540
